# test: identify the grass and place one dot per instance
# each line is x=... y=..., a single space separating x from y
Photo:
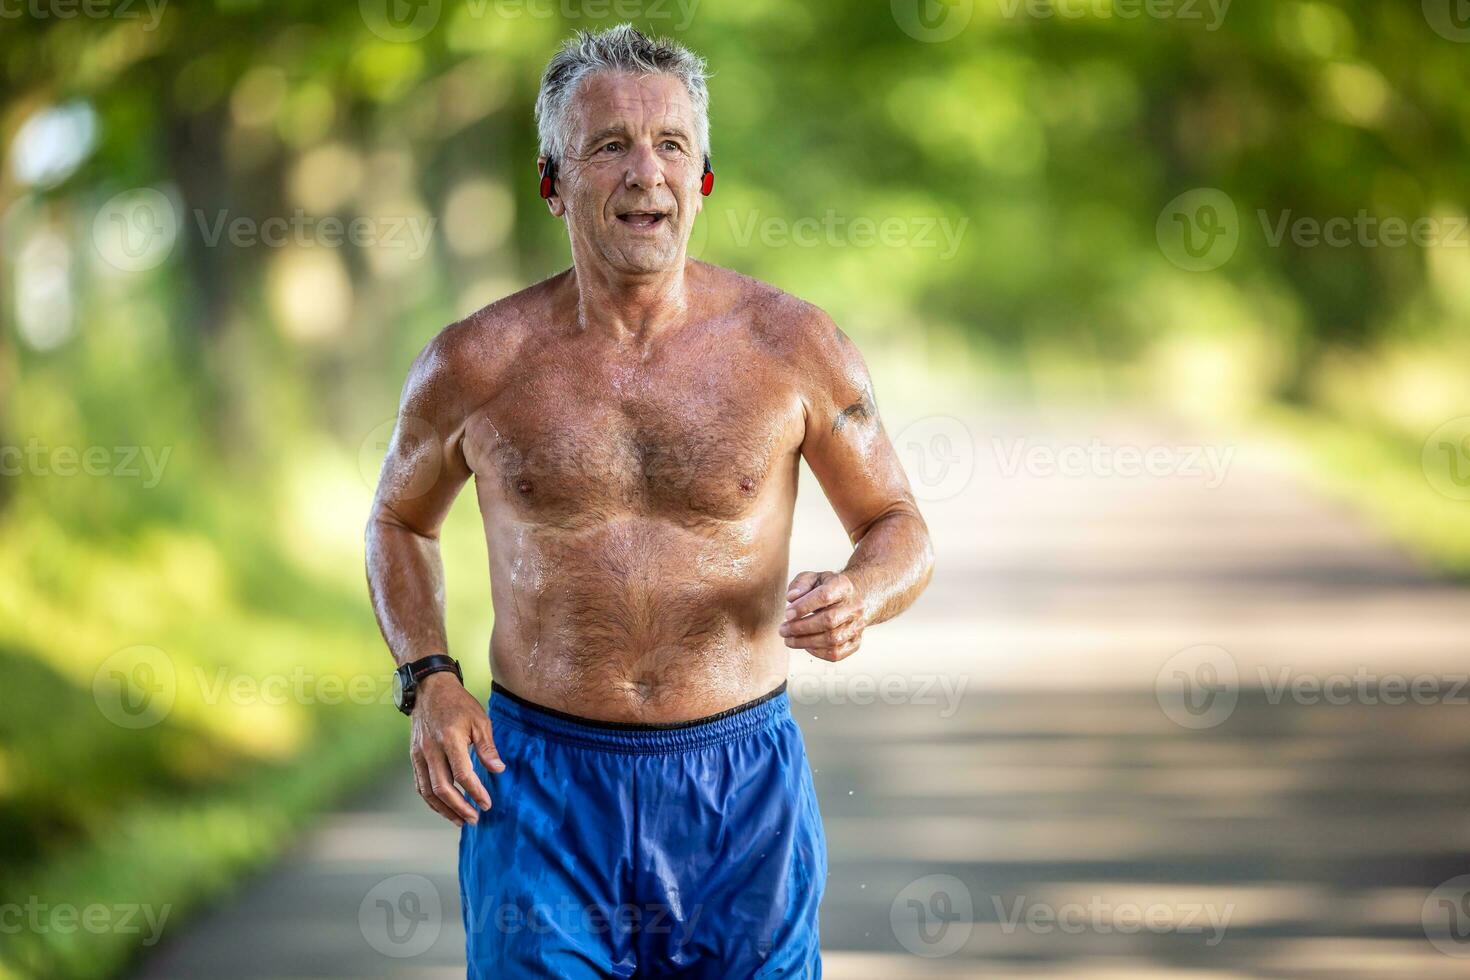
x=179 y=701
x=1382 y=475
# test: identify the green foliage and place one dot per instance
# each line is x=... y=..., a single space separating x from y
x=1002 y=189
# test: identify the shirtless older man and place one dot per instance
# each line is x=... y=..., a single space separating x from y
x=634 y=426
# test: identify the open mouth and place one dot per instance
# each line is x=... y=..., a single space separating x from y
x=643 y=219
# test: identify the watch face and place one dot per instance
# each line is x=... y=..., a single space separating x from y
x=398 y=690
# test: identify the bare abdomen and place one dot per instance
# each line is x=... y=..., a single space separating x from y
x=639 y=618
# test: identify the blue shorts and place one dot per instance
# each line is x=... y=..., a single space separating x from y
x=620 y=850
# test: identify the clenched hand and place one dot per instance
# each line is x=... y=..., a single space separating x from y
x=824 y=615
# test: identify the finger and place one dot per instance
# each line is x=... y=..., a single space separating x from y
x=836 y=653
x=824 y=595
x=441 y=781
x=464 y=774
x=835 y=637
x=801 y=584
x=831 y=618
x=817 y=641
x=485 y=747
x=425 y=789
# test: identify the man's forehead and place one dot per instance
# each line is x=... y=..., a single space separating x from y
x=608 y=98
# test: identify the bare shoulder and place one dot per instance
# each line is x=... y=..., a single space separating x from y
x=827 y=366
x=465 y=363
x=796 y=330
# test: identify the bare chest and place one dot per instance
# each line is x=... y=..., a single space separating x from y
x=705 y=441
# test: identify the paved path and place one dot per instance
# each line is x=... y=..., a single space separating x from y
x=1015 y=780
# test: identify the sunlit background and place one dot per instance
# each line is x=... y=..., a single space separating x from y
x=1065 y=233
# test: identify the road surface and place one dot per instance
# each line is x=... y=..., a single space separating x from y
x=1137 y=727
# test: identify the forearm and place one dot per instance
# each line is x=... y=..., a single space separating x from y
x=405 y=576
x=891 y=564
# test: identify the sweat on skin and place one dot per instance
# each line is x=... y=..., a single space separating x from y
x=634 y=427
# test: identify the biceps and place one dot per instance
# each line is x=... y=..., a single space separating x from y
x=423 y=472
x=859 y=472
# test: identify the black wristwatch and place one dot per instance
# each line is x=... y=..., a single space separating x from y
x=406 y=678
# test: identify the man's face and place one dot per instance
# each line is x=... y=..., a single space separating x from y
x=629 y=185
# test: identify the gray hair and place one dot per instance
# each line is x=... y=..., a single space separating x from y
x=621 y=48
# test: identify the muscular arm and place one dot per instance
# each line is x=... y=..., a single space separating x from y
x=853 y=460
x=424 y=471
x=422 y=474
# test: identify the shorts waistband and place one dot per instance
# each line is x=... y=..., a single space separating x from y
x=765 y=711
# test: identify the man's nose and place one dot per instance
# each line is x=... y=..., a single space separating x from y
x=645 y=170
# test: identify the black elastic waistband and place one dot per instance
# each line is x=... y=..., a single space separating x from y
x=635 y=726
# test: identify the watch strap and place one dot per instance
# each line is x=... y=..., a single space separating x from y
x=433 y=664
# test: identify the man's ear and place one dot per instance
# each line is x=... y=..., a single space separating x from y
x=697 y=198
x=554 y=203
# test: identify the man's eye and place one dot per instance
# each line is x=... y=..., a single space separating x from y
x=612 y=146
x=671 y=145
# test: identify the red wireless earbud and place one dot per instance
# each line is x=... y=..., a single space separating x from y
x=707 y=183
